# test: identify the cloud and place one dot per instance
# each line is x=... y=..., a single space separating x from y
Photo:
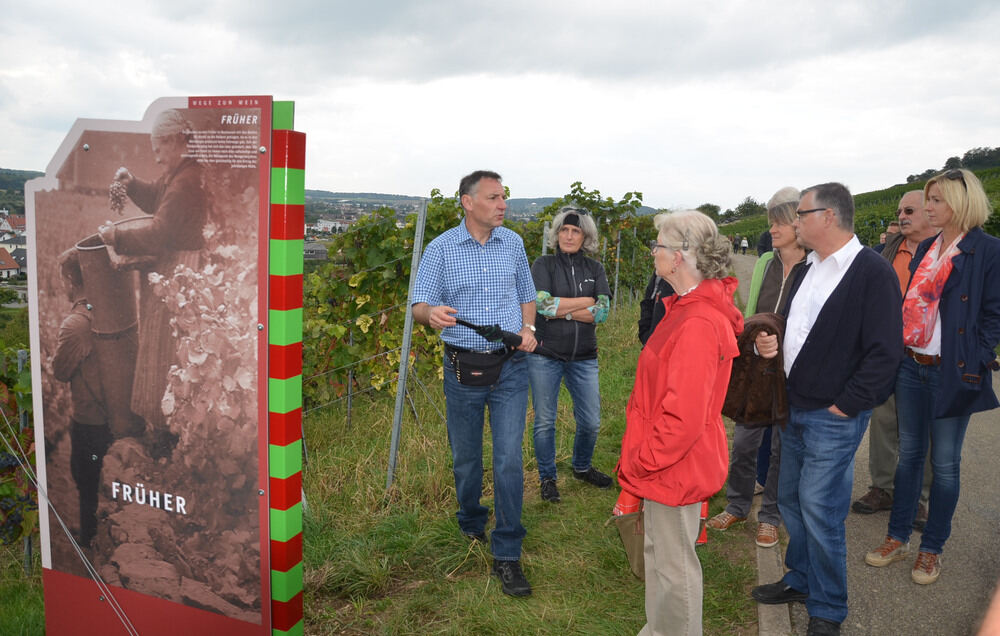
x=687 y=103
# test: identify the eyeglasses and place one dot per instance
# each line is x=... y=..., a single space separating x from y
x=906 y=211
x=956 y=175
x=802 y=213
x=576 y=211
x=653 y=246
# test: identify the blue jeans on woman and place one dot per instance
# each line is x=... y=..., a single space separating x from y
x=508 y=404
x=916 y=389
x=814 y=495
x=581 y=377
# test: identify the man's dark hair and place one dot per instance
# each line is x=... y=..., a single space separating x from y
x=469 y=182
x=69 y=267
x=837 y=197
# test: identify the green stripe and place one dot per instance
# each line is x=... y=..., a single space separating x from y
x=288 y=186
x=284 y=395
x=284 y=462
x=296 y=630
x=285 y=585
x=285 y=524
x=282 y=115
x=284 y=326
x=285 y=257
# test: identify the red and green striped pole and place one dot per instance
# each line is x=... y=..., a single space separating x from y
x=284 y=392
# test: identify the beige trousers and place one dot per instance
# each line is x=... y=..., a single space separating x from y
x=673 y=571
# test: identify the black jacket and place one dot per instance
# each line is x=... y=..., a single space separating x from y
x=568 y=276
x=651 y=310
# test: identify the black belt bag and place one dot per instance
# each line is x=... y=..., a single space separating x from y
x=477 y=369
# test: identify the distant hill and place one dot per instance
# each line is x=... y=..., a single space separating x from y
x=12 y=188
x=523 y=207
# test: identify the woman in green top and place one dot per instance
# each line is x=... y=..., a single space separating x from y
x=772 y=279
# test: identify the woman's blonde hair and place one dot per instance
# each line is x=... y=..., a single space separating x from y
x=697 y=239
x=964 y=194
x=782 y=206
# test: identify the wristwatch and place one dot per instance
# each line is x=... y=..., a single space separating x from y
x=532 y=327
x=569 y=315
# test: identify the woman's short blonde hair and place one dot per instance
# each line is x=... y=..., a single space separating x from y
x=697 y=239
x=782 y=206
x=964 y=194
x=587 y=225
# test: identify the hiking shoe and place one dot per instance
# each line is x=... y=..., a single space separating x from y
x=475 y=536
x=758 y=488
x=511 y=577
x=822 y=627
x=889 y=552
x=767 y=535
x=593 y=477
x=549 y=490
x=927 y=569
x=876 y=499
x=723 y=520
x=777 y=593
x=921 y=519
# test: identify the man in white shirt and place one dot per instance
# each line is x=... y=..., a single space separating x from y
x=842 y=347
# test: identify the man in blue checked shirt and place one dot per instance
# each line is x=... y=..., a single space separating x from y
x=478 y=272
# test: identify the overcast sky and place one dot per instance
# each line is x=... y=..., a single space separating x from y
x=686 y=102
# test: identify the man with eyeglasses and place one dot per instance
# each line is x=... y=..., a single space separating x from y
x=842 y=346
x=883 y=434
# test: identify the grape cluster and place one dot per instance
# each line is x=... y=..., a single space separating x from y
x=10 y=520
x=117 y=194
x=7 y=460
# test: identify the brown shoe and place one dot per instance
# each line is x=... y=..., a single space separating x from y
x=889 y=552
x=767 y=535
x=723 y=520
x=927 y=569
x=876 y=499
x=921 y=519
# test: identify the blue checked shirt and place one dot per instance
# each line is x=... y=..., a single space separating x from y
x=487 y=284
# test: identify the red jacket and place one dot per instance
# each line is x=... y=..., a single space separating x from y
x=674 y=450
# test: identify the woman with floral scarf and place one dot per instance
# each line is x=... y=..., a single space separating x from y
x=951 y=326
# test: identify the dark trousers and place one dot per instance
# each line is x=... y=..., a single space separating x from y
x=89 y=444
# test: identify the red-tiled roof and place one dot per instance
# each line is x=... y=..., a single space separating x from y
x=7 y=261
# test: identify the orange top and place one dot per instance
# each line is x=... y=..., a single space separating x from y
x=901 y=263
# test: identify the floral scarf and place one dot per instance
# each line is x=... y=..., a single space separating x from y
x=920 y=307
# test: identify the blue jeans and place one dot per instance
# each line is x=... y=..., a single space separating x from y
x=508 y=404
x=814 y=495
x=581 y=380
x=916 y=388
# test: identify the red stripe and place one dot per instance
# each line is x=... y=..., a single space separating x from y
x=288 y=222
x=289 y=149
x=285 y=616
x=285 y=361
x=284 y=428
x=285 y=493
x=285 y=555
x=285 y=292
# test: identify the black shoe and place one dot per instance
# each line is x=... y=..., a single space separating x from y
x=549 y=490
x=593 y=477
x=475 y=536
x=511 y=578
x=777 y=593
x=822 y=627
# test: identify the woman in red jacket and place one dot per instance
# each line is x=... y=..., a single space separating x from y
x=674 y=452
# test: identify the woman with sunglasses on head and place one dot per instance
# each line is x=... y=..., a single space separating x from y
x=573 y=297
x=674 y=451
x=951 y=326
